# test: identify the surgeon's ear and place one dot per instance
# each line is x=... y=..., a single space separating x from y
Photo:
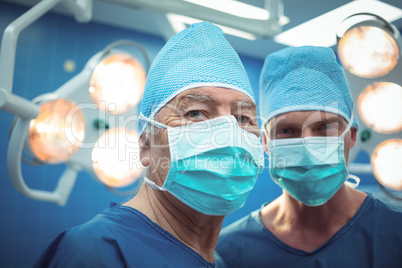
x=264 y=141
x=144 y=150
x=353 y=134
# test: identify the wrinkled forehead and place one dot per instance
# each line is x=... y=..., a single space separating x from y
x=212 y=95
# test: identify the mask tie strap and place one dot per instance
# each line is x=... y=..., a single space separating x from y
x=153 y=184
x=351 y=184
x=348 y=127
x=353 y=177
x=152 y=122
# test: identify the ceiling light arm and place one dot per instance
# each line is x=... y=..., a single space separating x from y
x=25 y=109
x=275 y=9
x=360 y=168
x=12 y=103
x=82 y=9
x=260 y=28
x=16 y=105
x=15 y=148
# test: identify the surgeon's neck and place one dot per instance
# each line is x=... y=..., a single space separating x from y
x=199 y=232
x=338 y=210
x=306 y=227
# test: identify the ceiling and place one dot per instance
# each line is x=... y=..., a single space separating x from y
x=142 y=19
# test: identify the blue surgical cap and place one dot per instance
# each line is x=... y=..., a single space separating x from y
x=195 y=57
x=304 y=79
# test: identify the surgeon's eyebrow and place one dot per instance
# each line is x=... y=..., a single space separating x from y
x=273 y=126
x=246 y=104
x=201 y=97
x=331 y=120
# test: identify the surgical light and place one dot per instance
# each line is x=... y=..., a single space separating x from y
x=368 y=46
x=117 y=83
x=64 y=125
x=387 y=164
x=380 y=107
x=57 y=132
x=115 y=157
x=369 y=49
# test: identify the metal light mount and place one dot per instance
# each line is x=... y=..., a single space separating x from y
x=76 y=93
x=260 y=28
x=24 y=109
x=366 y=19
x=82 y=10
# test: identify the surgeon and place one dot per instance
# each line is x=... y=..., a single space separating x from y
x=199 y=141
x=320 y=220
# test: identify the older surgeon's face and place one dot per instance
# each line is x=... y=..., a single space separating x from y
x=300 y=124
x=191 y=106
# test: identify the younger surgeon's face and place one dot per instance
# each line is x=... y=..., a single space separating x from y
x=300 y=124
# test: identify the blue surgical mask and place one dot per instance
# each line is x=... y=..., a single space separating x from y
x=310 y=169
x=214 y=164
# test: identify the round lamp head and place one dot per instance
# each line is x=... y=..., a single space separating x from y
x=386 y=161
x=369 y=48
x=380 y=107
x=117 y=83
x=115 y=157
x=57 y=132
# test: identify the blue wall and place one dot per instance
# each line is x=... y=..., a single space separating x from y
x=28 y=226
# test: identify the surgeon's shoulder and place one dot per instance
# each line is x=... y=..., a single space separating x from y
x=242 y=227
x=95 y=243
x=81 y=246
x=233 y=239
x=384 y=215
x=70 y=251
x=386 y=207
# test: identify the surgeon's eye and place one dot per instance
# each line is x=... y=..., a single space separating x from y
x=329 y=129
x=242 y=119
x=286 y=132
x=195 y=114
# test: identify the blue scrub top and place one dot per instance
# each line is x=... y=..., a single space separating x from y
x=372 y=238
x=120 y=236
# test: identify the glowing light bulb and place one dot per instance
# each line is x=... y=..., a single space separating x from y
x=117 y=83
x=368 y=51
x=387 y=164
x=380 y=107
x=57 y=132
x=115 y=157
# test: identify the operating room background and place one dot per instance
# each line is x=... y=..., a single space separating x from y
x=27 y=225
